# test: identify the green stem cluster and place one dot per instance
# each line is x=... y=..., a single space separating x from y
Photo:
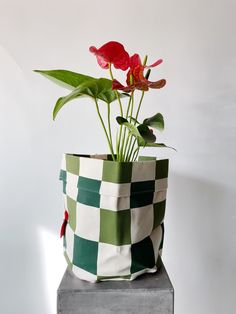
x=127 y=148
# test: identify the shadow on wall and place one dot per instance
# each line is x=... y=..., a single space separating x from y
x=30 y=197
x=200 y=245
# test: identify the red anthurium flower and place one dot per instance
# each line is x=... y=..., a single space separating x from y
x=112 y=52
x=135 y=77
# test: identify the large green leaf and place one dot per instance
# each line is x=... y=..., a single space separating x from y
x=105 y=91
x=146 y=133
x=81 y=85
x=155 y=121
x=65 y=78
x=88 y=88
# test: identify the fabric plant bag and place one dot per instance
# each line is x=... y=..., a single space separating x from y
x=114 y=211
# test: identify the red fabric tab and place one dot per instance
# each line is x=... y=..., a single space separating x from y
x=63 y=227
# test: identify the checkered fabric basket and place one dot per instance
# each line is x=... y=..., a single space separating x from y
x=115 y=216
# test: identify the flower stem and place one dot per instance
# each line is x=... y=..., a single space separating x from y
x=104 y=128
x=121 y=113
x=123 y=145
x=117 y=94
x=135 y=154
x=141 y=99
x=139 y=106
x=109 y=122
x=130 y=149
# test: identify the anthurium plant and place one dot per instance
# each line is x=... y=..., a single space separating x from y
x=131 y=135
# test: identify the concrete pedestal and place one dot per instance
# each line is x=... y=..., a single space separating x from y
x=148 y=294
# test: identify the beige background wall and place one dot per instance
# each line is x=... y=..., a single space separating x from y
x=196 y=39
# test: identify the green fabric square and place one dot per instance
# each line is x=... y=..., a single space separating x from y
x=115 y=227
x=162 y=168
x=146 y=158
x=68 y=260
x=117 y=172
x=159 y=213
x=89 y=198
x=72 y=164
x=71 y=207
x=142 y=255
x=85 y=254
x=142 y=199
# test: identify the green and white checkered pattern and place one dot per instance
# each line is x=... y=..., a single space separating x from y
x=116 y=211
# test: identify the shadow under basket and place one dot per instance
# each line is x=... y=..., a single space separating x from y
x=115 y=210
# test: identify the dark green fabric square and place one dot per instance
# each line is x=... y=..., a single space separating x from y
x=88 y=198
x=117 y=172
x=143 y=186
x=142 y=255
x=162 y=239
x=162 y=167
x=72 y=164
x=62 y=175
x=64 y=187
x=88 y=192
x=159 y=262
x=142 y=199
x=115 y=227
x=85 y=254
x=89 y=184
x=71 y=207
x=159 y=213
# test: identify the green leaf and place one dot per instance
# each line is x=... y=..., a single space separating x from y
x=88 y=88
x=155 y=121
x=105 y=91
x=159 y=145
x=121 y=120
x=81 y=85
x=65 y=78
x=134 y=120
x=132 y=129
x=146 y=133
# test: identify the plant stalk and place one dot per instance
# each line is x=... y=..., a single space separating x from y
x=104 y=128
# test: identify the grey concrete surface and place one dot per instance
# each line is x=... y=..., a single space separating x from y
x=148 y=294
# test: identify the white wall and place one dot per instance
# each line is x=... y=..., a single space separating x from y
x=196 y=39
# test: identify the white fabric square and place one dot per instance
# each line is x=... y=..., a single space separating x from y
x=113 y=260
x=161 y=184
x=87 y=222
x=143 y=271
x=141 y=222
x=83 y=274
x=71 y=185
x=143 y=171
x=91 y=168
x=69 y=238
x=115 y=189
x=156 y=237
x=63 y=162
x=114 y=203
x=159 y=196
